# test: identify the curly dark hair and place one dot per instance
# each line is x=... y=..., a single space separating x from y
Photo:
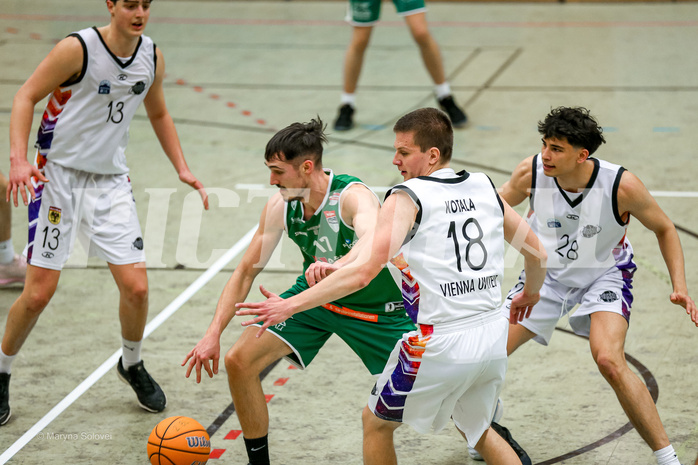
x=574 y=124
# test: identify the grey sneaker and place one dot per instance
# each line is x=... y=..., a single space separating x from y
x=13 y=272
x=345 y=118
x=150 y=396
x=5 y=411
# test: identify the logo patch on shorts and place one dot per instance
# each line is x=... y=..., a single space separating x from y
x=394 y=306
x=47 y=255
x=54 y=215
x=137 y=244
x=608 y=297
x=280 y=326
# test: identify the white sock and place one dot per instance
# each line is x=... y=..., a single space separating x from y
x=667 y=456
x=442 y=90
x=7 y=252
x=6 y=362
x=130 y=352
x=348 y=98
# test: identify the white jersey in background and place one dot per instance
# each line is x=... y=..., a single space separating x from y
x=452 y=261
x=85 y=124
x=583 y=233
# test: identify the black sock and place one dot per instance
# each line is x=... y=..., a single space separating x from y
x=257 y=450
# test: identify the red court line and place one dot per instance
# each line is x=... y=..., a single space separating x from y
x=287 y=22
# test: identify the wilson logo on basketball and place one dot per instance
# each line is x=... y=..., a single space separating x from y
x=198 y=441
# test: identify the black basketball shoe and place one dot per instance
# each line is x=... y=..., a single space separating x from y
x=150 y=396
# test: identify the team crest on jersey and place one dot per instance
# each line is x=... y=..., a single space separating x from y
x=121 y=77
x=104 y=87
x=334 y=198
x=590 y=230
x=54 y=215
x=137 y=88
x=608 y=297
x=554 y=223
x=332 y=220
x=137 y=244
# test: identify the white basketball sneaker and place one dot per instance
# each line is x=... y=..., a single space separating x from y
x=498 y=413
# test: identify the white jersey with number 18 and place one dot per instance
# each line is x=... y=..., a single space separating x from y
x=453 y=259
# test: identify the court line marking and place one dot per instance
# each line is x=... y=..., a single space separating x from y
x=339 y=22
x=111 y=361
x=678 y=194
x=652 y=387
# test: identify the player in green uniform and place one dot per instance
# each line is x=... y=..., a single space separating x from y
x=325 y=215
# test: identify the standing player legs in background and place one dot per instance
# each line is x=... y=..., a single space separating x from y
x=362 y=16
x=13 y=267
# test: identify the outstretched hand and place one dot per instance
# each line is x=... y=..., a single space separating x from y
x=207 y=349
x=680 y=298
x=521 y=306
x=188 y=177
x=272 y=311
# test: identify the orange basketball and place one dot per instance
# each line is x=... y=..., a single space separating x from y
x=178 y=441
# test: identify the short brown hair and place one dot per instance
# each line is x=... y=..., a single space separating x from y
x=431 y=128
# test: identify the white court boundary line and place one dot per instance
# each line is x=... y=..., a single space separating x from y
x=111 y=361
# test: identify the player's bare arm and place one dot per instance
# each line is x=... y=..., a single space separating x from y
x=62 y=64
x=395 y=220
x=635 y=199
x=165 y=129
x=518 y=187
x=238 y=287
x=359 y=208
x=519 y=234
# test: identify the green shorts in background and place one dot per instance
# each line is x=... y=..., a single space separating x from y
x=367 y=12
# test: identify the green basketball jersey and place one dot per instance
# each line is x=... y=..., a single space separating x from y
x=326 y=237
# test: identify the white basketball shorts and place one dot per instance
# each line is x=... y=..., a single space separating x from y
x=454 y=371
x=611 y=292
x=96 y=209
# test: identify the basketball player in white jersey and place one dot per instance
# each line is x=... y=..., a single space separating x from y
x=445 y=232
x=79 y=183
x=580 y=209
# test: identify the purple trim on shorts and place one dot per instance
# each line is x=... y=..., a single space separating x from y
x=391 y=401
x=33 y=217
x=627 y=269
